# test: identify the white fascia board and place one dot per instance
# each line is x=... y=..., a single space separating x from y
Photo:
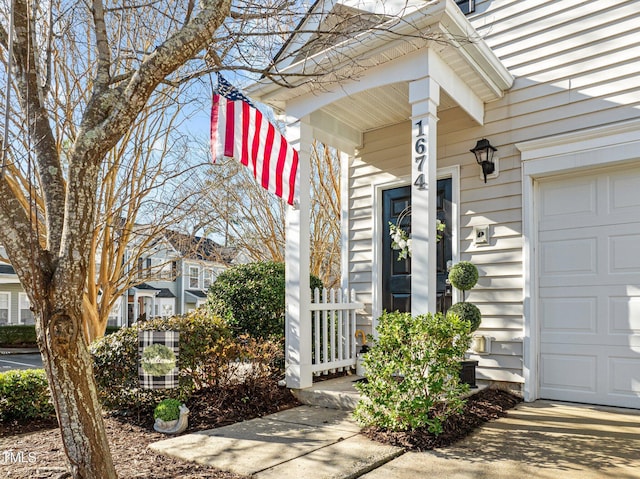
x=406 y=68
x=450 y=21
x=323 y=10
x=444 y=75
x=305 y=30
x=364 y=43
x=409 y=67
x=477 y=53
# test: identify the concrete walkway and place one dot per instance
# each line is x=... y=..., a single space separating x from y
x=543 y=440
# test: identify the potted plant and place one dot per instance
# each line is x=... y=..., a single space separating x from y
x=171 y=417
x=464 y=276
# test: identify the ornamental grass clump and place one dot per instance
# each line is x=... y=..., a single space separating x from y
x=412 y=372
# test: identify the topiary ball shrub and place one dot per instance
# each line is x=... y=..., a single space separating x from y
x=463 y=275
x=252 y=298
x=167 y=410
x=468 y=312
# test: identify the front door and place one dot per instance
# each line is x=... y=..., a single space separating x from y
x=396 y=275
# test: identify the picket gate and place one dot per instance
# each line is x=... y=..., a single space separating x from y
x=333 y=316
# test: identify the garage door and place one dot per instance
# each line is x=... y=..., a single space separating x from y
x=588 y=263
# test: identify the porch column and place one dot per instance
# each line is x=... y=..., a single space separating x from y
x=424 y=97
x=297 y=261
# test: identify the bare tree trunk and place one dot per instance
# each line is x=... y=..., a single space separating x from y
x=68 y=365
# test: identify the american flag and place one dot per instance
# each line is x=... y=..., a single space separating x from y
x=239 y=130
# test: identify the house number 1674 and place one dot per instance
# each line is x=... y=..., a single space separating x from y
x=420 y=148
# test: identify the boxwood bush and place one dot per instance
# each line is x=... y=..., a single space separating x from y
x=18 y=335
x=412 y=372
x=252 y=298
x=25 y=395
x=204 y=347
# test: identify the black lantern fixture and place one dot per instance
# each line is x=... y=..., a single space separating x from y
x=484 y=156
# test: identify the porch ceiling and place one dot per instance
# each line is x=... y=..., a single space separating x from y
x=378 y=107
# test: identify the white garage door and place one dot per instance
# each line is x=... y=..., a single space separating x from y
x=588 y=262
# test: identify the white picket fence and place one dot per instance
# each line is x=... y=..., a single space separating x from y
x=333 y=316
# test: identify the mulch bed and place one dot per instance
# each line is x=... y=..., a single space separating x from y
x=487 y=405
x=43 y=456
x=40 y=455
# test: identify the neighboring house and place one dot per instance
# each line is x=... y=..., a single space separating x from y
x=180 y=268
x=554 y=230
x=175 y=276
x=14 y=303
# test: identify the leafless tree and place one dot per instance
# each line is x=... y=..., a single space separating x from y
x=77 y=75
x=253 y=220
x=49 y=240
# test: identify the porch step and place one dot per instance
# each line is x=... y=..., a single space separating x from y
x=339 y=393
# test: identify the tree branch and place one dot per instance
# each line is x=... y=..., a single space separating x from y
x=39 y=129
x=103 y=75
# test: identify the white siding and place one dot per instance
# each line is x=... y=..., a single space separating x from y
x=576 y=65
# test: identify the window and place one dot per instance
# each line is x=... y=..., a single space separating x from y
x=209 y=278
x=144 y=267
x=115 y=314
x=194 y=277
x=25 y=314
x=165 y=307
x=5 y=301
x=166 y=270
x=467 y=6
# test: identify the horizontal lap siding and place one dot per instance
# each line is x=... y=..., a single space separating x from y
x=575 y=65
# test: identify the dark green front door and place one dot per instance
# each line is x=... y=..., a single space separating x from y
x=396 y=275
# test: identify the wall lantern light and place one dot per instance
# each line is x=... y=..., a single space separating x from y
x=483 y=152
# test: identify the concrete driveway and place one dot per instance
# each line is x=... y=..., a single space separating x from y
x=540 y=440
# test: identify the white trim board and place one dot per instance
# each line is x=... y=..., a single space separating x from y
x=604 y=146
x=452 y=172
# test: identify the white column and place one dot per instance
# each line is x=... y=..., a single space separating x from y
x=298 y=292
x=345 y=168
x=424 y=97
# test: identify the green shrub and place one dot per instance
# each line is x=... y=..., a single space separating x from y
x=252 y=298
x=18 y=335
x=204 y=345
x=467 y=312
x=25 y=395
x=167 y=410
x=412 y=372
x=463 y=275
x=112 y=329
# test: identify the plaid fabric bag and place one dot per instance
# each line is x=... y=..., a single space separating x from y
x=158 y=359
